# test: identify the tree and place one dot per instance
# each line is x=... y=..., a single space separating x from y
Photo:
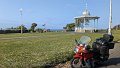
x=70 y=26
x=64 y=28
x=33 y=27
x=12 y=28
x=39 y=30
x=117 y=27
x=23 y=28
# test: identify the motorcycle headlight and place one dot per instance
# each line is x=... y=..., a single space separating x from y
x=76 y=50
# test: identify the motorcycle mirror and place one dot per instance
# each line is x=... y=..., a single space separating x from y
x=76 y=41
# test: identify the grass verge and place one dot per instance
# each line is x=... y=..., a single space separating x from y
x=44 y=49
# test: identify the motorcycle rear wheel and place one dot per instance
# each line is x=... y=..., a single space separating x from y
x=90 y=63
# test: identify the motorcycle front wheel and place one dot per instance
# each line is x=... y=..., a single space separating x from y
x=76 y=63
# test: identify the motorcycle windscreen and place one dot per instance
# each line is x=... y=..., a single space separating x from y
x=84 y=40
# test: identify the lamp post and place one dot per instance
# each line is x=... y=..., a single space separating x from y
x=21 y=13
x=110 y=18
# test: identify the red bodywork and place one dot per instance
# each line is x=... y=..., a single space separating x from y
x=83 y=54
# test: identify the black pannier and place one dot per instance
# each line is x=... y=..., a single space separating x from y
x=108 y=38
x=111 y=45
x=96 y=47
x=104 y=50
x=101 y=41
x=100 y=52
x=101 y=47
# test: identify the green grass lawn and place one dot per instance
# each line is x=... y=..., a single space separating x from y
x=39 y=49
x=116 y=34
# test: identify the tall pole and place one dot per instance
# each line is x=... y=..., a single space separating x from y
x=110 y=18
x=21 y=13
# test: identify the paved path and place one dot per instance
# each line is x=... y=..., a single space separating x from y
x=113 y=62
x=114 y=59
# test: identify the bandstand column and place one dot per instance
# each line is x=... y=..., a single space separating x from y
x=76 y=24
x=84 y=23
x=94 y=24
x=97 y=24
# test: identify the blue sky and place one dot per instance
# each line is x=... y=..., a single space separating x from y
x=54 y=13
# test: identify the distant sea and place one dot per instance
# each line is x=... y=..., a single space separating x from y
x=54 y=30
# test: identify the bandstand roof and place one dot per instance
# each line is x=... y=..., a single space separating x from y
x=86 y=18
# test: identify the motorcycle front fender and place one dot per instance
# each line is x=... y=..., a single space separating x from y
x=78 y=56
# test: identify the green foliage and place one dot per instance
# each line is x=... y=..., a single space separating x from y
x=39 y=30
x=23 y=28
x=70 y=26
x=117 y=27
x=9 y=31
x=14 y=30
x=32 y=29
x=64 y=27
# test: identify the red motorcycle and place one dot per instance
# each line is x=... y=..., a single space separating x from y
x=83 y=54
